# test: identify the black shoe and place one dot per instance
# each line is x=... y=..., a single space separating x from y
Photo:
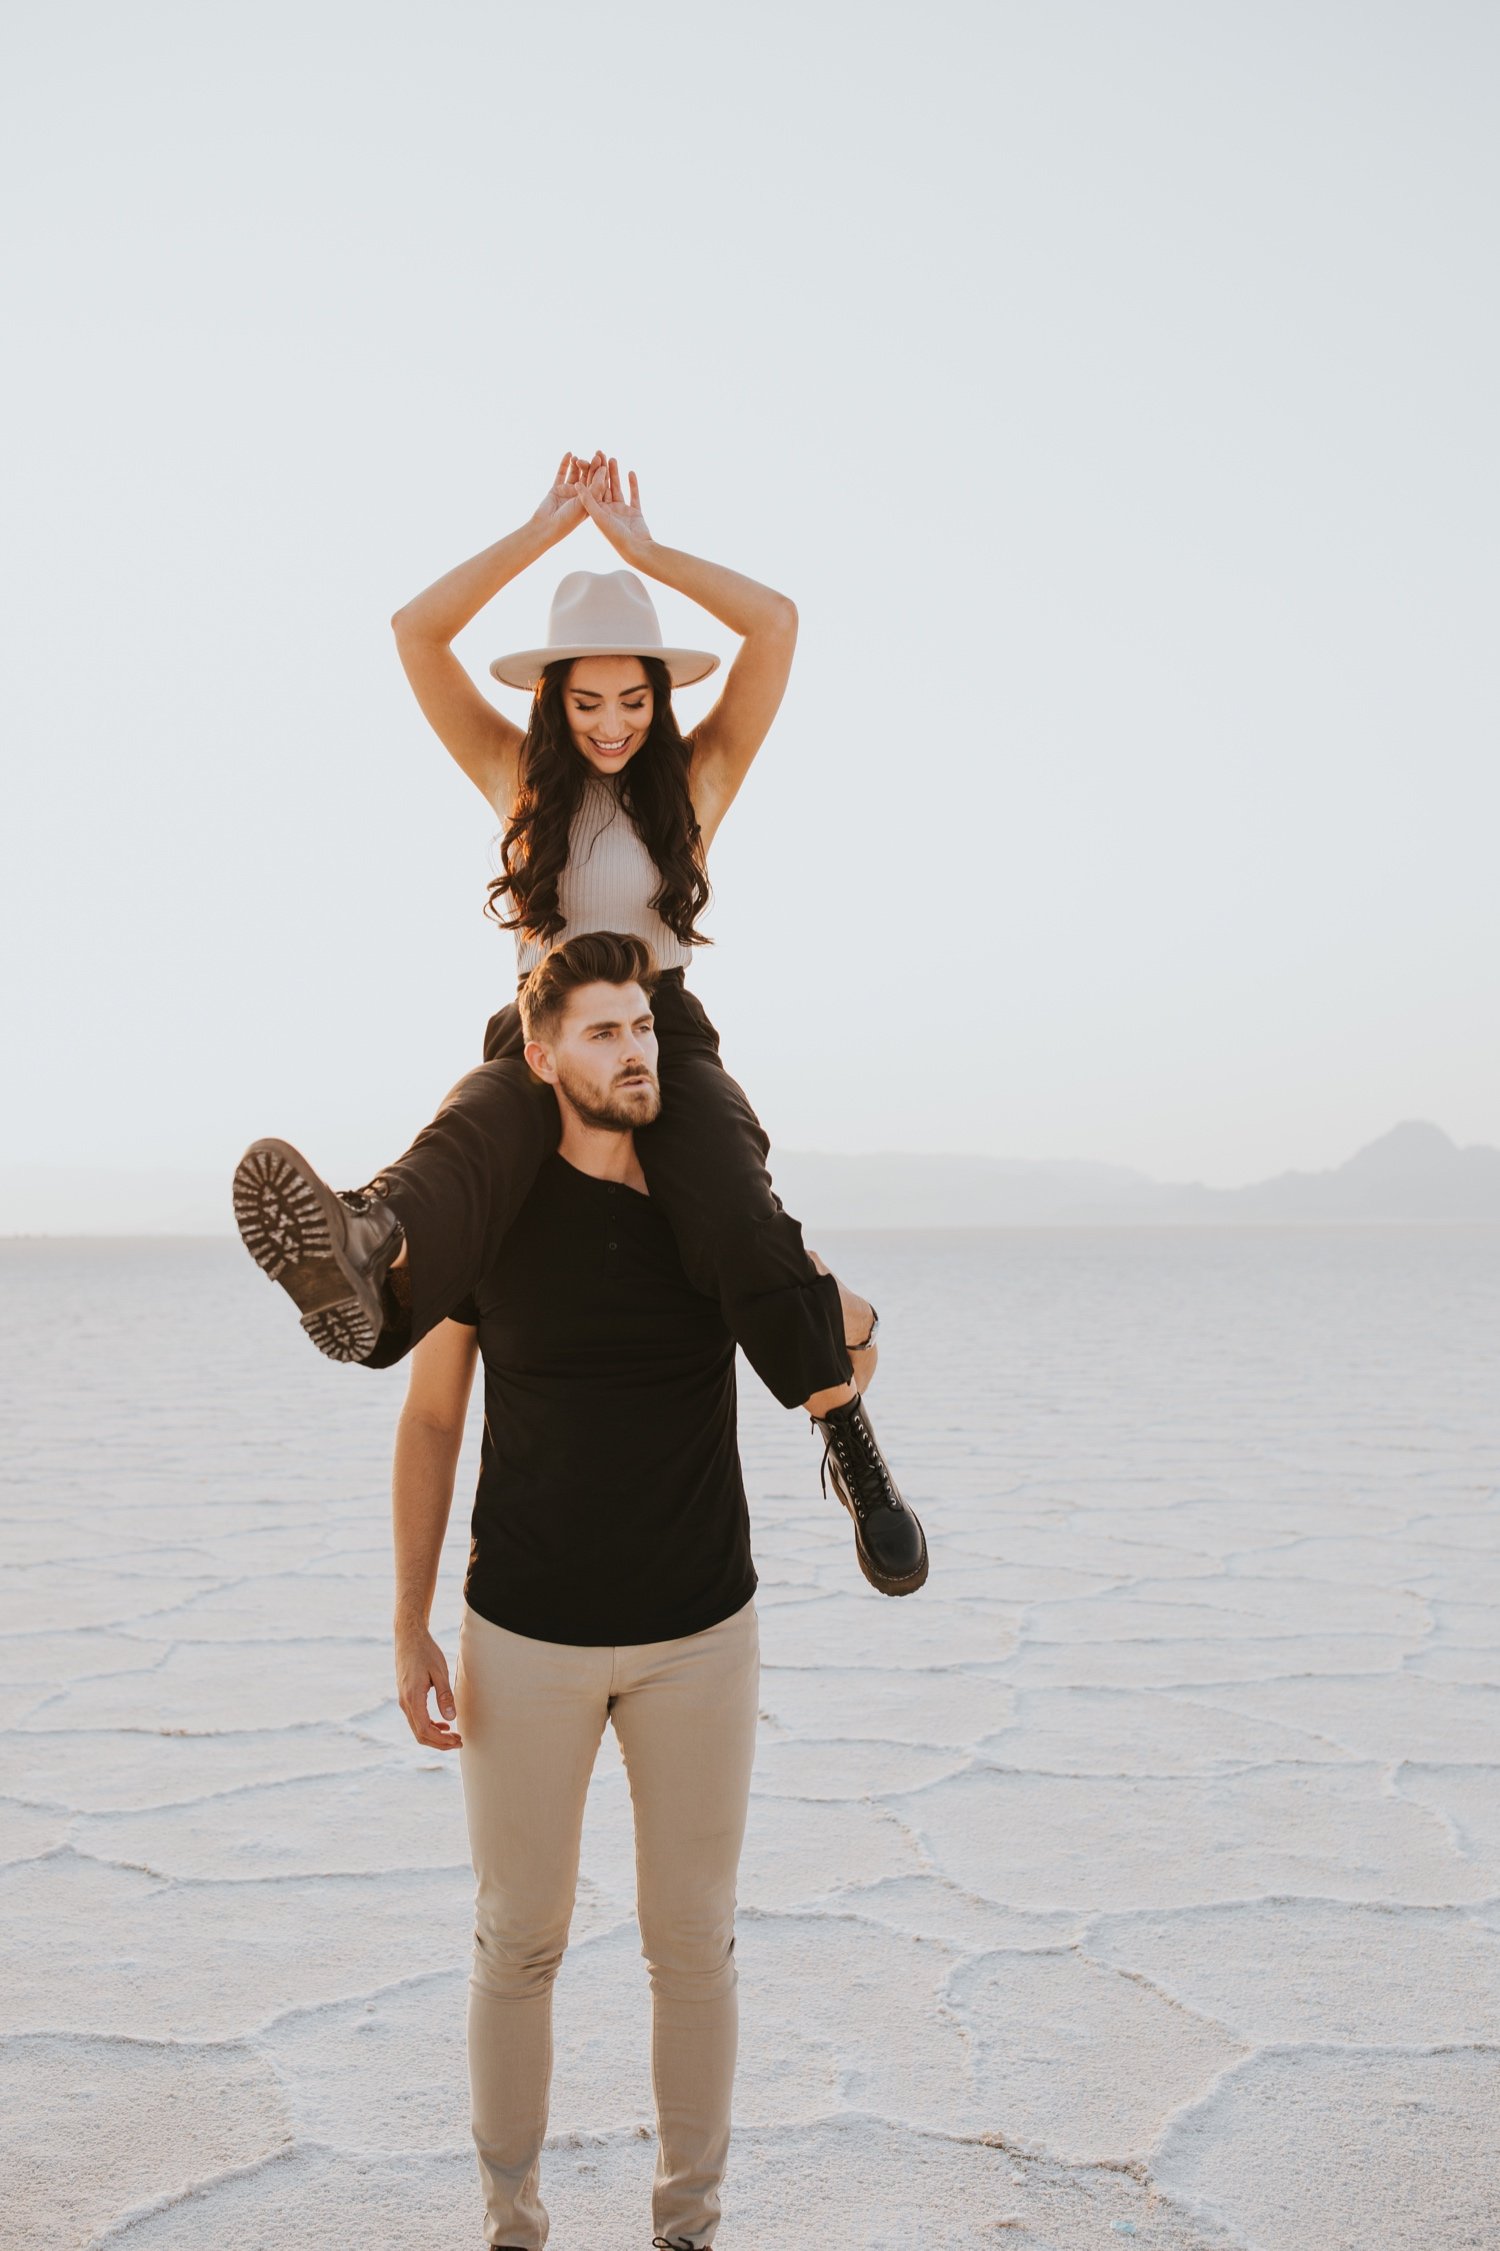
x=330 y=1253
x=888 y=1539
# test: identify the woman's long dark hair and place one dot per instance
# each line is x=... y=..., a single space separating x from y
x=653 y=792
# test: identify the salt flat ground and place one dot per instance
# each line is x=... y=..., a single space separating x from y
x=1140 y=1877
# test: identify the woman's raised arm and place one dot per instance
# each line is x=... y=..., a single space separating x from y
x=725 y=742
x=485 y=743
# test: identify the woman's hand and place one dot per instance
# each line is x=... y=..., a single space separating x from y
x=421 y=1668
x=561 y=509
x=619 y=518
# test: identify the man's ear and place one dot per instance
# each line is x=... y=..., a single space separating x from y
x=539 y=1060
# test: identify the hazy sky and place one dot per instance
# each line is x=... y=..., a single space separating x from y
x=1114 y=387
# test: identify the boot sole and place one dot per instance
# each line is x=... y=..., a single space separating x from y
x=292 y=1226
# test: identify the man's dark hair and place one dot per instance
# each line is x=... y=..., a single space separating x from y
x=598 y=957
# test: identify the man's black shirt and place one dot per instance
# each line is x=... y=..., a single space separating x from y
x=610 y=1507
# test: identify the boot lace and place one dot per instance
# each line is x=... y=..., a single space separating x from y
x=866 y=1477
x=361 y=1200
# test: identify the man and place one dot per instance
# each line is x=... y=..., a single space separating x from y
x=374 y=1270
x=610 y=1577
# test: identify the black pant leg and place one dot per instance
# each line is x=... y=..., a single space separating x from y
x=462 y=1182
x=705 y=1163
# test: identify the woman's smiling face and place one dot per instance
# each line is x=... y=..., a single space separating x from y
x=609 y=704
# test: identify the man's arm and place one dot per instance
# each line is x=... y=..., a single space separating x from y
x=428 y=1438
x=859 y=1325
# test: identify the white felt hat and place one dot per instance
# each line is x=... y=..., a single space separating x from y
x=602 y=614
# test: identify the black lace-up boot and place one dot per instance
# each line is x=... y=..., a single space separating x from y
x=888 y=1539
x=331 y=1253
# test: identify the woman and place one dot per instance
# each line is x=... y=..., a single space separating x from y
x=609 y=814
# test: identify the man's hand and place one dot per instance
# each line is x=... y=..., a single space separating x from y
x=421 y=1667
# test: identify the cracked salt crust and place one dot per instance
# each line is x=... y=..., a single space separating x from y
x=1403 y=1717
x=204 y=1688
x=351 y=1823
x=96 y=1771
x=1204 y=1663
x=938 y=1709
x=89 y=2126
x=1080 y=2060
x=1123 y=1731
x=1034 y=1839
x=1466 y=1798
x=294 y=1605
x=1343 y=1971
x=947 y=1633
x=1142 y=1874
x=28 y=1659
x=853 y=1770
x=30 y=1830
x=1424 y=2176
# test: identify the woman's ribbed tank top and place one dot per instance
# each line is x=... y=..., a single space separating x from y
x=608 y=883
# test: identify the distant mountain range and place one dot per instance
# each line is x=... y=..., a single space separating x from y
x=1414 y=1173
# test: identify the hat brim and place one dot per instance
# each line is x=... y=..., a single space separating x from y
x=525 y=668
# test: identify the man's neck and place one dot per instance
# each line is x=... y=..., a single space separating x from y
x=594 y=1149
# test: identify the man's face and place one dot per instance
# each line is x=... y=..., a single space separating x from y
x=602 y=1057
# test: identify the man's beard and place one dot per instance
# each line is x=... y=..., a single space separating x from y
x=620 y=1108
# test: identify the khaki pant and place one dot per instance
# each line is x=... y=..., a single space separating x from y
x=532 y=1714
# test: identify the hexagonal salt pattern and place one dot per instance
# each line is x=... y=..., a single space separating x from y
x=1140 y=1879
x=1343 y=1972
x=1081 y=2062
x=1307 y=2150
x=92 y=2127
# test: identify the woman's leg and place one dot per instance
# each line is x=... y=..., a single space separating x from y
x=458 y=1188
x=372 y=1272
x=705 y=1164
x=531 y=1714
x=685 y=1714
